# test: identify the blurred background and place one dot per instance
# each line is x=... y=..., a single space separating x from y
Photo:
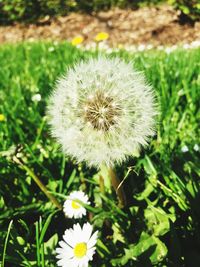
x=121 y=22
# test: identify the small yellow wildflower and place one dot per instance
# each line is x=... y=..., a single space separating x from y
x=120 y=46
x=101 y=36
x=77 y=40
x=2 y=117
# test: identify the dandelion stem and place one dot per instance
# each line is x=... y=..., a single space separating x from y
x=101 y=184
x=38 y=182
x=118 y=189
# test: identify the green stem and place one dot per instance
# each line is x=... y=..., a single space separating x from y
x=101 y=184
x=108 y=177
x=38 y=182
x=117 y=186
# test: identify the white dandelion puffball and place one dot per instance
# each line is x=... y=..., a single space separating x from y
x=102 y=111
x=73 y=207
x=78 y=246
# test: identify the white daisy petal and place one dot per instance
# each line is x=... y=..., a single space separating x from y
x=91 y=252
x=63 y=263
x=69 y=238
x=93 y=240
x=62 y=244
x=87 y=231
x=82 y=248
x=84 y=262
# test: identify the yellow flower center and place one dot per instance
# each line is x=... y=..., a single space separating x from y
x=80 y=250
x=75 y=205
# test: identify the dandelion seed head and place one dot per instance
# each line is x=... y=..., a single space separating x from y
x=102 y=111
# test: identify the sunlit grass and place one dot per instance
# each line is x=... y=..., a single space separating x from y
x=162 y=188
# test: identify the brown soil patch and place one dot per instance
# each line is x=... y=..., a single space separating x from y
x=148 y=25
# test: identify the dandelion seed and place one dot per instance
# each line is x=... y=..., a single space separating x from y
x=160 y=47
x=195 y=44
x=196 y=147
x=168 y=50
x=78 y=246
x=141 y=47
x=186 y=46
x=51 y=49
x=149 y=47
x=184 y=149
x=101 y=36
x=103 y=45
x=36 y=98
x=72 y=206
x=115 y=107
x=109 y=51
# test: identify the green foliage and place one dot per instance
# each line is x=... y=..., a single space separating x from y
x=23 y=10
x=19 y=10
x=160 y=226
x=190 y=8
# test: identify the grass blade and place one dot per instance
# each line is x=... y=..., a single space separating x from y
x=6 y=243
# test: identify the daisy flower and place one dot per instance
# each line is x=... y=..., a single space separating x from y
x=78 y=246
x=102 y=111
x=73 y=205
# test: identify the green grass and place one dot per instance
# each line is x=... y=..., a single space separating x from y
x=160 y=225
